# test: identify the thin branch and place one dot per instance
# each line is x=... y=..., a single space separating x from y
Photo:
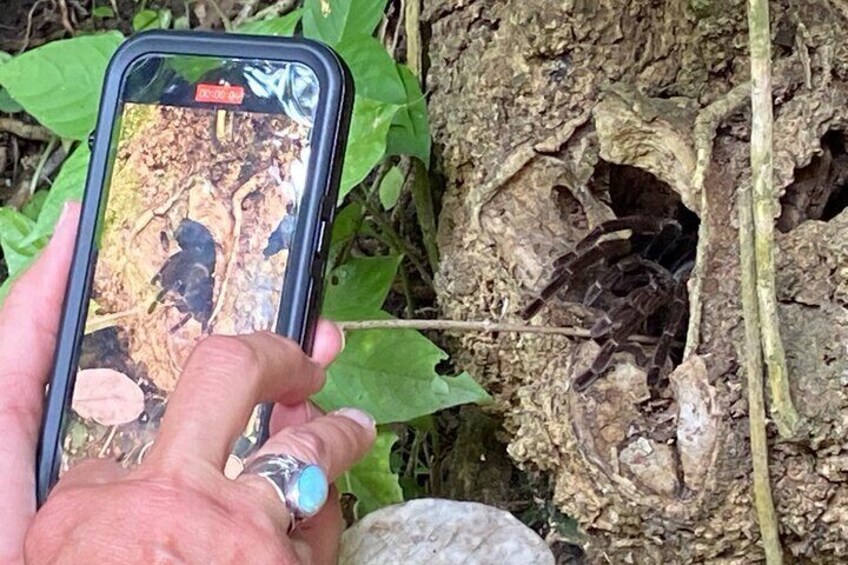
x=483 y=326
x=760 y=153
x=764 y=211
x=244 y=14
x=25 y=131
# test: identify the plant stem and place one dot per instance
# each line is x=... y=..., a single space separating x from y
x=748 y=253
x=422 y=197
x=394 y=239
x=412 y=25
x=39 y=169
x=764 y=204
x=478 y=326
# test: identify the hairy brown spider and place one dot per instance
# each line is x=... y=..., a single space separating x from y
x=641 y=279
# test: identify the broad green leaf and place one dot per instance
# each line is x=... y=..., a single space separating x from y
x=391 y=375
x=7 y=103
x=345 y=227
x=152 y=19
x=358 y=288
x=375 y=74
x=371 y=480
x=390 y=187
x=69 y=185
x=103 y=12
x=366 y=142
x=332 y=20
x=59 y=83
x=33 y=208
x=15 y=229
x=409 y=133
x=282 y=26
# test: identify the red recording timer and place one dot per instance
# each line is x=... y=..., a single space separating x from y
x=219 y=94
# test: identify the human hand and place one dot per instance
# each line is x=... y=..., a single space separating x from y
x=177 y=504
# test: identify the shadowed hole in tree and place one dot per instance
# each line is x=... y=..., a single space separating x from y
x=632 y=270
x=820 y=189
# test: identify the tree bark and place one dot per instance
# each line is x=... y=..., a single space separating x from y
x=536 y=106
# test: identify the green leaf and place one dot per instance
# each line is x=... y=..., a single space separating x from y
x=389 y=373
x=15 y=229
x=358 y=288
x=345 y=227
x=59 y=83
x=103 y=12
x=69 y=185
x=375 y=73
x=390 y=188
x=409 y=133
x=366 y=141
x=283 y=26
x=371 y=480
x=7 y=103
x=332 y=20
x=151 y=19
x=33 y=208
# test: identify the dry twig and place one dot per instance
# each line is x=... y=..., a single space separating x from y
x=484 y=326
x=25 y=131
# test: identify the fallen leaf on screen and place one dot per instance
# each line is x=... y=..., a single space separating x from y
x=107 y=396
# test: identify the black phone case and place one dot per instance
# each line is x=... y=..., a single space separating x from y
x=302 y=290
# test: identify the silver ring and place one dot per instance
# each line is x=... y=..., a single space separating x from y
x=301 y=486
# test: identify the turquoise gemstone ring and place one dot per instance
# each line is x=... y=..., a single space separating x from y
x=301 y=486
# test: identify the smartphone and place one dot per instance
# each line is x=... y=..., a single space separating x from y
x=213 y=179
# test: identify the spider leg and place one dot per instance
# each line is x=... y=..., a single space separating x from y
x=618 y=326
x=567 y=270
x=611 y=279
x=639 y=224
x=638 y=305
x=604 y=357
x=665 y=242
x=656 y=379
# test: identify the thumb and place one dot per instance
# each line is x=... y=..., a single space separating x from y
x=29 y=322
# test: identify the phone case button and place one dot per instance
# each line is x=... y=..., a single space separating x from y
x=91 y=141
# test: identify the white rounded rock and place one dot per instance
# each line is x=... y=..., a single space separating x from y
x=434 y=531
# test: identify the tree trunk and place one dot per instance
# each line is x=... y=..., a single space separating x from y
x=551 y=117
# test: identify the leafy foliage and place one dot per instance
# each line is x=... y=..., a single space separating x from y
x=371 y=480
x=282 y=26
x=59 y=83
x=391 y=374
x=331 y=21
x=390 y=187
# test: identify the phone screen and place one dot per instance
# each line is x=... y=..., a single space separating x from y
x=208 y=164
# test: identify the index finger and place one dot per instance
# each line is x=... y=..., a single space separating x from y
x=223 y=381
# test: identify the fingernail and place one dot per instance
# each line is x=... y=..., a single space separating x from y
x=63 y=218
x=362 y=418
x=344 y=338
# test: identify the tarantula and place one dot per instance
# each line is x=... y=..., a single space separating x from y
x=188 y=275
x=638 y=277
